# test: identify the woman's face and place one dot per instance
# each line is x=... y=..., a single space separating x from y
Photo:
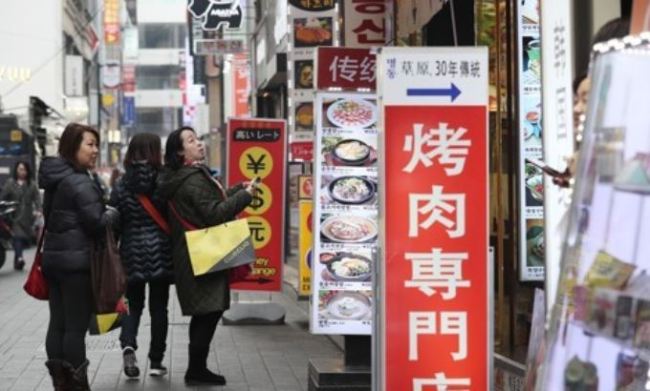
x=88 y=151
x=580 y=101
x=21 y=172
x=193 y=149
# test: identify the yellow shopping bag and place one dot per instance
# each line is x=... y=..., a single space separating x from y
x=220 y=247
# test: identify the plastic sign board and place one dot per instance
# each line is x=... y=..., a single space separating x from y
x=305 y=249
x=257 y=147
x=434 y=321
x=345 y=69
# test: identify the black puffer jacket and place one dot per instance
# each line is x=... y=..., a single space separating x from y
x=144 y=248
x=75 y=215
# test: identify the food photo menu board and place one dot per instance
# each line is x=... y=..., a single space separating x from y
x=531 y=255
x=345 y=213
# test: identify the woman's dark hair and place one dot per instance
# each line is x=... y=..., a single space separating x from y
x=173 y=146
x=615 y=28
x=144 y=147
x=28 y=168
x=577 y=80
x=71 y=139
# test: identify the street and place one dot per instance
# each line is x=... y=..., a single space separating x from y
x=252 y=358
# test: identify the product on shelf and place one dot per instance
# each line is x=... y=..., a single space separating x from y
x=608 y=272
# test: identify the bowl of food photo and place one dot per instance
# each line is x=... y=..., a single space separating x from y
x=349 y=306
x=351 y=190
x=346 y=266
x=352 y=151
x=348 y=229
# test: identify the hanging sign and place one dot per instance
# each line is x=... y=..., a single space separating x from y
x=215 y=14
x=365 y=23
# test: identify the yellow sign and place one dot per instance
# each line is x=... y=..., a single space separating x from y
x=262 y=200
x=256 y=162
x=107 y=100
x=16 y=136
x=305 y=250
x=305 y=187
x=260 y=231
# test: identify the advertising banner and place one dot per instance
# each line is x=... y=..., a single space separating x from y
x=241 y=85
x=111 y=22
x=305 y=249
x=434 y=312
x=365 y=23
x=558 y=124
x=345 y=213
x=531 y=188
x=311 y=24
x=258 y=148
x=345 y=69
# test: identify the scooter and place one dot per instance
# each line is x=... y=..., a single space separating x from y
x=7 y=210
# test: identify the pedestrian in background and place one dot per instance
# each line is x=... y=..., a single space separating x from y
x=75 y=218
x=203 y=202
x=22 y=189
x=145 y=250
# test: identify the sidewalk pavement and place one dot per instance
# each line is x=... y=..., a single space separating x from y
x=252 y=358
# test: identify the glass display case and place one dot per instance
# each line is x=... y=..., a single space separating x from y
x=599 y=332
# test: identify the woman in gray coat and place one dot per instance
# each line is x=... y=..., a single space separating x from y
x=21 y=188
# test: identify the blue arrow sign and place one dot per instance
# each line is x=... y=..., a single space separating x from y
x=453 y=92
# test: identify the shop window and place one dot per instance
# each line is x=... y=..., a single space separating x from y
x=158 y=77
x=162 y=36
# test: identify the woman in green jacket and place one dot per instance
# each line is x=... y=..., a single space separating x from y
x=201 y=201
x=21 y=188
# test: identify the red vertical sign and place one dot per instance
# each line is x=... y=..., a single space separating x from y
x=435 y=318
x=241 y=85
x=347 y=69
x=257 y=148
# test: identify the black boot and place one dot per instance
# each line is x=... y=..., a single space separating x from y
x=79 y=378
x=197 y=371
x=59 y=374
x=19 y=264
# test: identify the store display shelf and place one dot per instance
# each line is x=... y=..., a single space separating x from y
x=590 y=331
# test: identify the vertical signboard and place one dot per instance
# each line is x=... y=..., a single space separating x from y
x=434 y=319
x=558 y=124
x=257 y=148
x=111 y=21
x=305 y=250
x=345 y=213
x=241 y=85
x=311 y=24
x=365 y=23
x=531 y=188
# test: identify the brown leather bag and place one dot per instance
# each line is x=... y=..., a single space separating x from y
x=107 y=274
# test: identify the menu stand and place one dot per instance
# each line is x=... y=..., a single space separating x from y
x=350 y=373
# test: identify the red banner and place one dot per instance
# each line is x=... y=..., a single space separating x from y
x=347 y=69
x=241 y=85
x=257 y=148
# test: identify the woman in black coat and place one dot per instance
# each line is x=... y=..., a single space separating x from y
x=203 y=202
x=75 y=218
x=145 y=250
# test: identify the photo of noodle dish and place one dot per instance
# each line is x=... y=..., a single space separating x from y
x=351 y=113
x=344 y=151
x=345 y=305
x=349 y=190
x=348 y=266
x=348 y=229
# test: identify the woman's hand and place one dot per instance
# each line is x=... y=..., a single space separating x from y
x=251 y=187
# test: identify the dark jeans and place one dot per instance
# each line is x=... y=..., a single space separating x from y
x=71 y=306
x=158 y=299
x=19 y=246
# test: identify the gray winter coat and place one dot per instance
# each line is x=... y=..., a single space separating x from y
x=29 y=200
